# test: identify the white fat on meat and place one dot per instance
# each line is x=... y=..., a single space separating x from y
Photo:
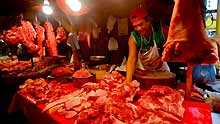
x=55 y=108
x=50 y=105
x=87 y=105
x=101 y=100
x=92 y=93
x=70 y=114
x=101 y=92
x=75 y=101
x=115 y=120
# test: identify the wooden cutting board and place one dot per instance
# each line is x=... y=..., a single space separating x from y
x=155 y=74
x=150 y=78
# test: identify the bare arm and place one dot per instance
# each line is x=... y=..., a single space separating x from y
x=132 y=58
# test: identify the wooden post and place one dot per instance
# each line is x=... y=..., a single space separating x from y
x=188 y=81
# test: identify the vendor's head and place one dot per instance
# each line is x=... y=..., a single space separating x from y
x=140 y=19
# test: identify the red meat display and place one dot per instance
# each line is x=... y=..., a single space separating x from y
x=82 y=73
x=40 y=38
x=98 y=103
x=11 y=35
x=111 y=101
x=62 y=71
x=187 y=40
x=29 y=30
x=44 y=91
x=50 y=39
x=8 y=66
x=166 y=101
x=24 y=34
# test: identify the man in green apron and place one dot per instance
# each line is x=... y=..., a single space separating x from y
x=145 y=44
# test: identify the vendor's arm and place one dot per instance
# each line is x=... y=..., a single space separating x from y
x=132 y=57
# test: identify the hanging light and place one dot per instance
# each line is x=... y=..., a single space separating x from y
x=74 y=5
x=46 y=8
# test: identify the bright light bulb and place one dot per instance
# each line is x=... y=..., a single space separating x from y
x=46 y=2
x=47 y=10
x=75 y=5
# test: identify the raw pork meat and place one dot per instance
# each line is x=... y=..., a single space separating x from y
x=40 y=37
x=187 y=40
x=165 y=99
x=82 y=73
x=51 y=39
x=62 y=71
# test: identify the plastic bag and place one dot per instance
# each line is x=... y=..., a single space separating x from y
x=204 y=73
x=112 y=44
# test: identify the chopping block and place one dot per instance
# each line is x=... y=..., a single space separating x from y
x=149 y=78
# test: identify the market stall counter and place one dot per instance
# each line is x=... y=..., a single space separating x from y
x=195 y=112
x=33 y=112
x=108 y=100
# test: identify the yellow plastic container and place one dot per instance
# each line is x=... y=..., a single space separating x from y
x=98 y=73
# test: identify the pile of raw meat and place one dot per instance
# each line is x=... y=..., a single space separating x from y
x=44 y=67
x=187 y=40
x=62 y=71
x=10 y=69
x=44 y=91
x=81 y=73
x=163 y=105
x=8 y=66
x=26 y=34
x=112 y=102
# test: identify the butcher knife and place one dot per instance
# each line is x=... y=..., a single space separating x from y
x=72 y=41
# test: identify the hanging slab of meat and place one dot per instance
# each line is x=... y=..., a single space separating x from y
x=24 y=34
x=40 y=38
x=28 y=34
x=187 y=40
x=61 y=35
x=29 y=30
x=50 y=39
x=24 y=40
x=11 y=35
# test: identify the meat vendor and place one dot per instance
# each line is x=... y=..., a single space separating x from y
x=145 y=44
